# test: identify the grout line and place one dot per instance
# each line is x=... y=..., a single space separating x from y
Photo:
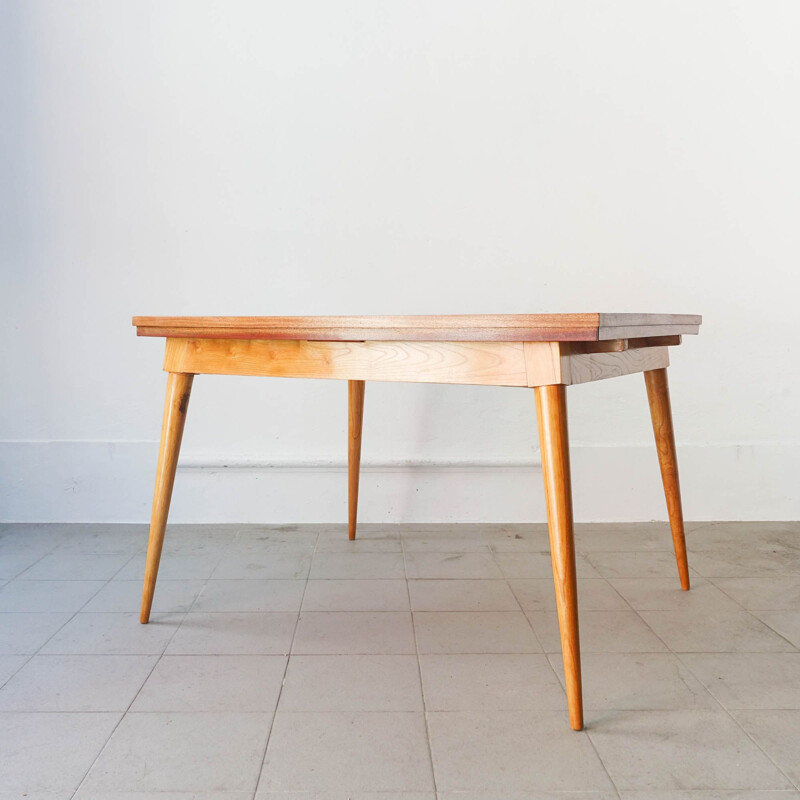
x=588 y=735
x=754 y=615
x=141 y=686
x=739 y=725
x=31 y=655
x=549 y=661
x=31 y=566
x=66 y=622
x=285 y=669
x=722 y=707
x=206 y=581
x=133 y=700
x=419 y=672
x=550 y=656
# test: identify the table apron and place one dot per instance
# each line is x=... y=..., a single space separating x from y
x=525 y=364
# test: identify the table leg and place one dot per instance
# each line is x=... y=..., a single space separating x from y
x=355 y=402
x=551 y=407
x=661 y=414
x=179 y=387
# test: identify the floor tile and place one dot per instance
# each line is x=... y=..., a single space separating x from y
x=521 y=539
x=126 y=596
x=113 y=634
x=365 y=532
x=50 y=752
x=512 y=751
x=444 y=543
x=538 y=594
x=84 y=794
x=468 y=530
x=490 y=682
x=354 y=632
x=9 y=665
x=100 y=538
x=172 y=567
x=690 y=631
x=250 y=595
x=774 y=593
x=749 y=680
x=653 y=564
x=76 y=683
x=637 y=681
x=784 y=623
x=665 y=594
x=776 y=733
x=51 y=531
x=686 y=749
x=76 y=567
x=451 y=565
x=736 y=562
x=64 y=794
x=716 y=536
x=538 y=795
x=600 y=632
x=462 y=595
x=234 y=634
x=357 y=565
x=39 y=536
x=43 y=536
x=326 y=751
x=281 y=536
x=521 y=566
x=213 y=683
x=347 y=796
x=182 y=752
x=30 y=595
x=26 y=633
x=622 y=537
x=16 y=560
x=286 y=566
x=341 y=544
x=259 y=550
x=352 y=683
x=197 y=540
x=356 y=595
x=474 y=632
x=713 y=794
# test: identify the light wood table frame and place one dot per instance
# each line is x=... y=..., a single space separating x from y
x=543 y=352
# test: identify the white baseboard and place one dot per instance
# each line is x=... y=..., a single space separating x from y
x=113 y=482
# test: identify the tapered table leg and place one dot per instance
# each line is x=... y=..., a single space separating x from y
x=551 y=407
x=355 y=398
x=179 y=387
x=661 y=414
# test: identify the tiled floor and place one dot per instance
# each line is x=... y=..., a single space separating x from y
x=420 y=663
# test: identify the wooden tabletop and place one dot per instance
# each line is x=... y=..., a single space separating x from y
x=454 y=328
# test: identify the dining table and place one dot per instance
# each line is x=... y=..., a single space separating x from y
x=545 y=353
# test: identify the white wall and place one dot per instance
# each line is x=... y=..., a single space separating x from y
x=360 y=157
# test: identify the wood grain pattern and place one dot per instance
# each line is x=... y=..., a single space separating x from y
x=545 y=363
x=179 y=388
x=551 y=410
x=456 y=328
x=598 y=366
x=488 y=363
x=481 y=363
x=618 y=345
x=355 y=413
x=661 y=414
x=640 y=331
